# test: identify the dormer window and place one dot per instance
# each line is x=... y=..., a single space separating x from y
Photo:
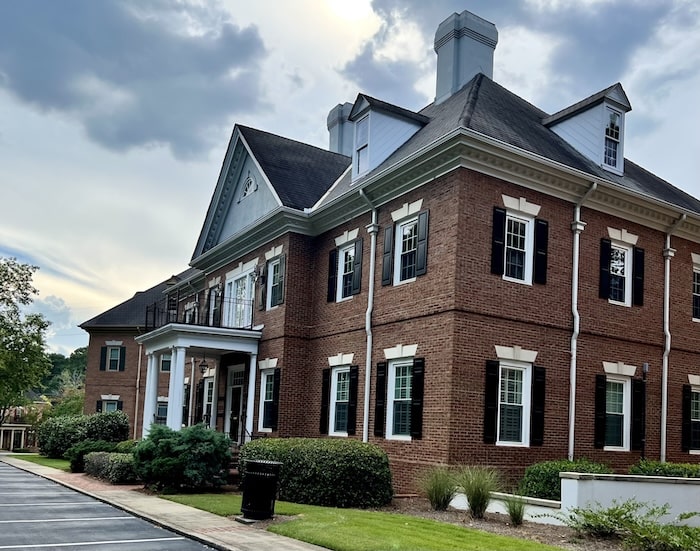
x=612 y=138
x=362 y=145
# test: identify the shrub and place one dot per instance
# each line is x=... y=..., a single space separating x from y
x=126 y=446
x=58 y=434
x=116 y=468
x=76 y=453
x=515 y=507
x=112 y=426
x=323 y=471
x=647 y=467
x=477 y=483
x=542 y=479
x=195 y=458
x=438 y=485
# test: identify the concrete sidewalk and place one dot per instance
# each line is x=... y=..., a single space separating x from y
x=213 y=530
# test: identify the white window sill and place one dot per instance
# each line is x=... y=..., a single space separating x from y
x=694 y=452
x=618 y=303
x=399 y=437
x=514 y=280
x=696 y=320
x=513 y=444
x=343 y=299
x=615 y=449
x=338 y=434
x=402 y=282
x=262 y=429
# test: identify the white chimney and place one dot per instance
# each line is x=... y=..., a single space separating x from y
x=464 y=44
x=340 y=129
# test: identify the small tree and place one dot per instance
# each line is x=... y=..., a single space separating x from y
x=23 y=362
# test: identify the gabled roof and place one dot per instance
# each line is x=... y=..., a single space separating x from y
x=614 y=93
x=132 y=312
x=300 y=173
x=486 y=107
x=363 y=102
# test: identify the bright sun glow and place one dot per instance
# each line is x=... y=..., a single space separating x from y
x=351 y=10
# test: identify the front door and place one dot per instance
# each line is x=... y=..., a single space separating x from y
x=236 y=409
x=233 y=424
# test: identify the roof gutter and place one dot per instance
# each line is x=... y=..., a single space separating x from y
x=577 y=226
x=668 y=255
x=372 y=229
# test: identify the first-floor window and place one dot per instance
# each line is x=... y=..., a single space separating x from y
x=109 y=406
x=399 y=401
x=696 y=294
x=269 y=399
x=161 y=413
x=690 y=440
x=399 y=411
x=165 y=361
x=340 y=396
x=615 y=406
x=695 y=419
x=514 y=405
x=208 y=402
x=620 y=404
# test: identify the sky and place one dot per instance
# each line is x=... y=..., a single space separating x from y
x=115 y=115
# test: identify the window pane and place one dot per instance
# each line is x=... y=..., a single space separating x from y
x=342 y=392
x=267 y=415
x=614 y=413
x=402 y=383
x=516 y=231
x=610 y=152
x=614 y=397
x=269 y=387
x=347 y=261
x=409 y=245
x=618 y=274
x=341 y=417
x=696 y=295
x=362 y=159
x=113 y=359
x=613 y=429
x=362 y=132
x=110 y=406
x=402 y=417
x=512 y=386
x=695 y=406
x=511 y=423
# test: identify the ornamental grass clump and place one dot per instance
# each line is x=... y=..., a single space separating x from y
x=478 y=483
x=515 y=507
x=439 y=486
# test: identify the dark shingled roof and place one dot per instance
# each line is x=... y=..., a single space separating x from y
x=488 y=108
x=380 y=105
x=300 y=173
x=132 y=312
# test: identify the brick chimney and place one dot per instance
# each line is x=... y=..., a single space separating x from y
x=464 y=44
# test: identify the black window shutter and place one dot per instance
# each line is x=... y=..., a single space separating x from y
x=274 y=415
x=686 y=424
x=98 y=406
x=357 y=269
x=604 y=285
x=380 y=401
x=422 y=245
x=491 y=401
x=417 y=392
x=388 y=259
x=537 y=415
x=541 y=245
x=120 y=405
x=352 y=400
x=599 y=427
x=283 y=268
x=638 y=413
x=103 y=358
x=638 y=277
x=332 y=275
x=262 y=291
x=122 y=357
x=325 y=400
x=218 y=304
x=498 y=241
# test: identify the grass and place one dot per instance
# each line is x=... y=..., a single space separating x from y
x=62 y=464
x=359 y=530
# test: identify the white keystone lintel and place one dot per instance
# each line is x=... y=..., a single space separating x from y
x=274 y=252
x=267 y=363
x=114 y=397
x=619 y=368
x=694 y=380
x=214 y=281
x=515 y=353
x=407 y=210
x=623 y=236
x=340 y=359
x=401 y=351
x=114 y=343
x=696 y=259
x=520 y=204
x=242 y=268
x=347 y=237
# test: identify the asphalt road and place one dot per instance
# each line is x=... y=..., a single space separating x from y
x=36 y=513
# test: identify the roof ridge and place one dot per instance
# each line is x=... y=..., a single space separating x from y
x=279 y=137
x=469 y=106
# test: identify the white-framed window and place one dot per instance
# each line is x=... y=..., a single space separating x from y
x=161 y=413
x=275 y=282
x=620 y=274
x=696 y=294
x=165 y=363
x=346 y=263
x=514 y=403
x=250 y=186
x=239 y=304
x=362 y=145
x=213 y=307
x=618 y=412
x=519 y=248
x=398 y=424
x=113 y=358
x=208 y=402
x=191 y=313
x=405 y=250
x=612 y=138
x=267 y=396
x=694 y=440
x=340 y=400
x=109 y=405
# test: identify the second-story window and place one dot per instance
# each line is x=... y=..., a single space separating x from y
x=696 y=294
x=405 y=250
x=612 y=138
x=621 y=273
x=345 y=271
x=362 y=145
x=165 y=361
x=519 y=247
x=112 y=358
x=275 y=282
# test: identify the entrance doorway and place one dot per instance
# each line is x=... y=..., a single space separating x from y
x=233 y=424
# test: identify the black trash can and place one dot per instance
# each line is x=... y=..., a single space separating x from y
x=260 y=485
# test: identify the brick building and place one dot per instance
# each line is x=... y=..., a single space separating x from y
x=477 y=282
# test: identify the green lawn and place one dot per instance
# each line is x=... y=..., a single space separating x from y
x=357 y=530
x=62 y=464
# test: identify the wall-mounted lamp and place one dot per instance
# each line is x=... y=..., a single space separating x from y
x=203 y=366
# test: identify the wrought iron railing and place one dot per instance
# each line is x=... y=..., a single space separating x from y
x=227 y=313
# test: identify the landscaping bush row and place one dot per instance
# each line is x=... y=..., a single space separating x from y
x=647 y=467
x=321 y=471
x=115 y=468
x=58 y=434
x=542 y=479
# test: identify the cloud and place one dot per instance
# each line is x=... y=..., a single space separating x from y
x=133 y=73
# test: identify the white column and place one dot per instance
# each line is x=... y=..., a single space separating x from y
x=150 y=396
x=176 y=390
x=214 y=397
x=250 y=403
x=24 y=433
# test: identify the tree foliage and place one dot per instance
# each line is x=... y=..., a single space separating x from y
x=23 y=362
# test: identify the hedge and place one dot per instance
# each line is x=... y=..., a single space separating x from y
x=76 y=454
x=195 y=457
x=58 y=434
x=542 y=479
x=324 y=471
x=115 y=468
x=656 y=468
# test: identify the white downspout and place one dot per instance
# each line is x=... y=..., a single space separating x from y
x=577 y=227
x=138 y=385
x=372 y=229
x=668 y=255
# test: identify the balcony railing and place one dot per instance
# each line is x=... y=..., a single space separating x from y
x=226 y=313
